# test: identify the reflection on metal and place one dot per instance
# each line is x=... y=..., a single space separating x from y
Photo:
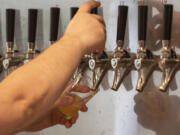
x=145 y=65
x=12 y=59
x=122 y=63
x=169 y=64
x=99 y=65
x=31 y=53
x=145 y=62
x=79 y=73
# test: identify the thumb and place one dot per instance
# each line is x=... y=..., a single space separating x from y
x=88 y=6
x=66 y=100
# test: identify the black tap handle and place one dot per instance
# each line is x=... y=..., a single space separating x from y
x=168 y=17
x=32 y=24
x=142 y=20
x=94 y=11
x=122 y=20
x=55 y=13
x=10 y=24
x=74 y=11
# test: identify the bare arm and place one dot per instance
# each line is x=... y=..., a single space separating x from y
x=32 y=90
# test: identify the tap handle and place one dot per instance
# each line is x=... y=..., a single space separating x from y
x=122 y=19
x=142 y=22
x=74 y=11
x=10 y=24
x=32 y=24
x=168 y=17
x=55 y=12
x=94 y=11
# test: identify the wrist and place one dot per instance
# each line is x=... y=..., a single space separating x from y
x=75 y=43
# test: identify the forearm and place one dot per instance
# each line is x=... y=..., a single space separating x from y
x=32 y=90
x=37 y=85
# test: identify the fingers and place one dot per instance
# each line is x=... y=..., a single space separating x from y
x=76 y=88
x=57 y=117
x=100 y=50
x=88 y=6
x=68 y=124
x=67 y=90
x=80 y=88
x=76 y=98
x=66 y=100
x=74 y=119
x=84 y=109
x=99 y=18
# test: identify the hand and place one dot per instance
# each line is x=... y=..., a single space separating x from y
x=55 y=117
x=88 y=28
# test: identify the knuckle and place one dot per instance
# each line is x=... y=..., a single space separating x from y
x=85 y=3
x=102 y=31
x=100 y=17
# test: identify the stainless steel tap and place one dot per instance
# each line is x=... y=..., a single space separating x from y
x=146 y=62
x=99 y=65
x=122 y=61
x=12 y=58
x=169 y=63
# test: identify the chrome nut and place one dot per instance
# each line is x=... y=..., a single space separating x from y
x=6 y=63
x=114 y=62
x=26 y=61
x=92 y=64
x=137 y=64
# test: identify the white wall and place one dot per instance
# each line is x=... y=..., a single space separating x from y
x=125 y=112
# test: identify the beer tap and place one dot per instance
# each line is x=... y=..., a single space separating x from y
x=54 y=24
x=146 y=62
x=12 y=59
x=122 y=61
x=169 y=63
x=32 y=25
x=98 y=64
